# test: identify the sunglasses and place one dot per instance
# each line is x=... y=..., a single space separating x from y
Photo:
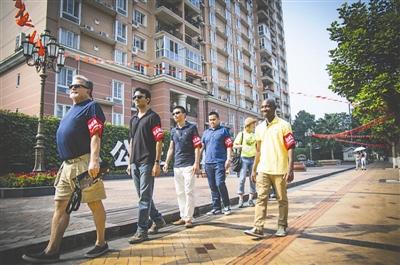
x=137 y=97
x=76 y=86
x=176 y=113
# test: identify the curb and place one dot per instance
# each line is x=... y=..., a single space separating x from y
x=84 y=238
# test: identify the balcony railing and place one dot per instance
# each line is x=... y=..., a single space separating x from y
x=170 y=30
x=172 y=8
x=189 y=40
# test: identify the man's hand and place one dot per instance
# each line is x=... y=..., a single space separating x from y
x=227 y=164
x=253 y=176
x=94 y=167
x=195 y=169
x=289 y=176
x=128 y=169
x=155 y=172
x=165 y=167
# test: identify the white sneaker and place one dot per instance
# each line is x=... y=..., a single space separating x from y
x=227 y=210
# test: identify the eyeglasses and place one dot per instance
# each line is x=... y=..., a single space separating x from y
x=75 y=86
x=176 y=113
x=137 y=97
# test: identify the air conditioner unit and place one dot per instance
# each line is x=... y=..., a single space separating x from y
x=134 y=50
x=89 y=28
x=109 y=99
x=104 y=34
x=18 y=41
x=135 y=24
x=199 y=19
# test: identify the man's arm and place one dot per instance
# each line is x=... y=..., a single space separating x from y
x=256 y=161
x=94 y=163
x=156 y=168
x=169 y=156
x=289 y=176
x=196 y=165
x=228 y=158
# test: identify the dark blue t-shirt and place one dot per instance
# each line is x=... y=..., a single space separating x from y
x=185 y=139
x=73 y=138
x=214 y=143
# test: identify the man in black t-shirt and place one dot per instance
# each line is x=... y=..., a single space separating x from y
x=145 y=141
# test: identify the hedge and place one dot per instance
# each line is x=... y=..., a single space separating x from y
x=17 y=140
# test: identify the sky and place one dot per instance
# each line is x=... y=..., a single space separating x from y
x=307 y=46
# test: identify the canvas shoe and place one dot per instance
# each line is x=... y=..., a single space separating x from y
x=97 y=251
x=281 y=231
x=255 y=232
x=156 y=226
x=227 y=210
x=214 y=212
x=138 y=238
x=41 y=258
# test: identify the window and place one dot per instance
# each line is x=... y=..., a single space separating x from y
x=159 y=69
x=61 y=110
x=117 y=91
x=140 y=68
x=70 y=9
x=120 y=57
x=139 y=17
x=69 y=38
x=139 y=43
x=122 y=7
x=120 y=29
x=64 y=78
x=117 y=119
x=193 y=60
x=170 y=49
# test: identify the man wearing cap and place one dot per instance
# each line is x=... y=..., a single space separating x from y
x=246 y=142
x=185 y=146
x=78 y=145
x=273 y=165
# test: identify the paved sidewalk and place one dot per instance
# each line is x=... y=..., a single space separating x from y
x=349 y=218
x=26 y=221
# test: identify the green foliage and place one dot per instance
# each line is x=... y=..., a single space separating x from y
x=365 y=66
x=304 y=122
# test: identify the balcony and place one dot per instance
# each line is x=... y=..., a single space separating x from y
x=194 y=23
x=223 y=69
x=104 y=6
x=194 y=5
x=223 y=50
x=168 y=13
x=173 y=31
x=263 y=16
x=221 y=32
x=98 y=35
x=221 y=15
x=189 y=40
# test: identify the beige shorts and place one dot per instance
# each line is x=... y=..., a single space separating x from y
x=65 y=185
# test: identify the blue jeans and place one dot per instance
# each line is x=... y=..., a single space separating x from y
x=247 y=166
x=144 y=183
x=216 y=180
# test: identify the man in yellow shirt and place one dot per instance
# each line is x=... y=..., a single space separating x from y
x=273 y=165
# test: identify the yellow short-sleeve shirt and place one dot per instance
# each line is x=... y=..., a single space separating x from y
x=248 y=143
x=274 y=158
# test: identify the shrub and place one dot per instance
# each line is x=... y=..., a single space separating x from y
x=18 y=180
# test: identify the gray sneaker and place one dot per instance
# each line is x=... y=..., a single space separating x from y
x=251 y=203
x=241 y=203
x=281 y=231
x=255 y=232
x=138 y=238
x=156 y=226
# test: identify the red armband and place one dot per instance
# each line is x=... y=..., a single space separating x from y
x=95 y=126
x=196 y=141
x=158 y=133
x=289 y=141
x=228 y=142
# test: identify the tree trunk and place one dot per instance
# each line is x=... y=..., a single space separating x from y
x=332 y=154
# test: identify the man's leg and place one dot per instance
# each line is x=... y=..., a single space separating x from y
x=282 y=199
x=180 y=190
x=252 y=184
x=189 y=180
x=242 y=180
x=99 y=217
x=263 y=183
x=220 y=177
x=59 y=223
x=216 y=199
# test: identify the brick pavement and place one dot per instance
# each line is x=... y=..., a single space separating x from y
x=350 y=218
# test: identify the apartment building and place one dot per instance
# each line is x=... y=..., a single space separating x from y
x=220 y=55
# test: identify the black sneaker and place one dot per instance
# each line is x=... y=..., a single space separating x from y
x=156 y=226
x=138 y=238
x=41 y=258
x=97 y=251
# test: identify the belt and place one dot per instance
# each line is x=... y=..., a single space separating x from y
x=77 y=159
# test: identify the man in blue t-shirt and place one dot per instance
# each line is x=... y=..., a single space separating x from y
x=218 y=144
x=185 y=144
x=78 y=144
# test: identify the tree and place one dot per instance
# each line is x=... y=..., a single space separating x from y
x=330 y=124
x=365 y=66
x=303 y=122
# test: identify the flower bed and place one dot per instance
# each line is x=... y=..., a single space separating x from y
x=31 y=179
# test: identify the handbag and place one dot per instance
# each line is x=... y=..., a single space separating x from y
x=236 y=159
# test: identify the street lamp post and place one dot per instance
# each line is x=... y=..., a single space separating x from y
x=308 y=133
x=50 y=57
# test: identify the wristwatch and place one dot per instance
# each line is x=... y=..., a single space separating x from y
x=157 y=161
